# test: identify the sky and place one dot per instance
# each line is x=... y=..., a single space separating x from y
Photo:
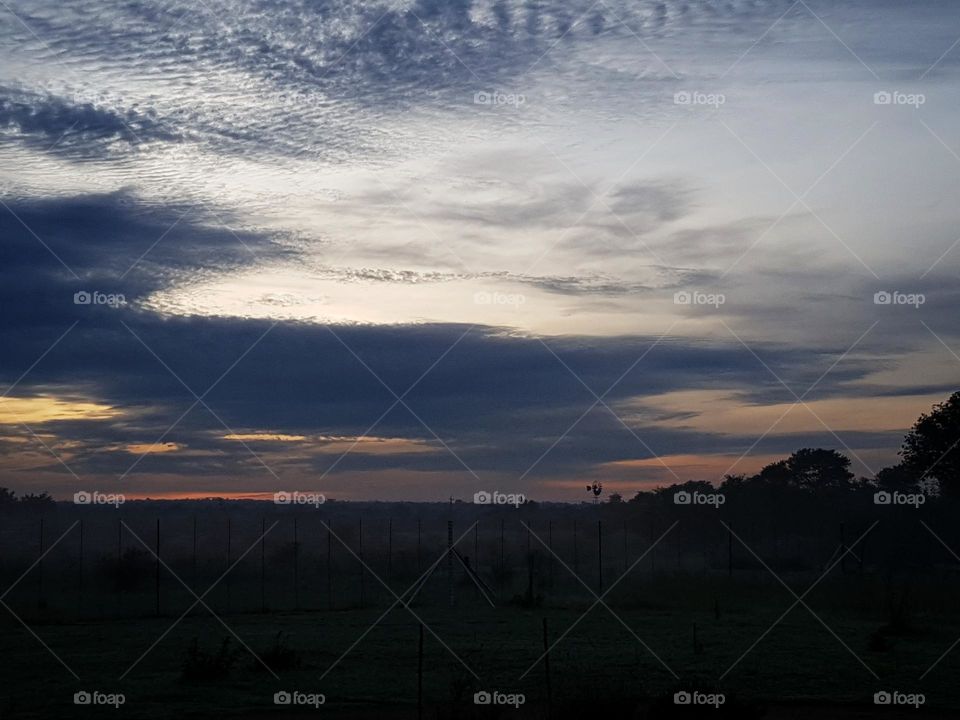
x=412 y=250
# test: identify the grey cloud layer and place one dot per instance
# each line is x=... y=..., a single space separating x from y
x=351 y=84
x=498 y=399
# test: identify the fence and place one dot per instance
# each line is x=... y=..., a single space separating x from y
x=146 y=558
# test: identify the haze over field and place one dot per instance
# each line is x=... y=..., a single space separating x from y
x=414 y=249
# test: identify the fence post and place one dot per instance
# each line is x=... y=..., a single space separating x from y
x=80 y=573
x=450 y=560
x=263 y=564
x=420 y=675
x=419 y=537
x=119 y=586
x=600 y=555
x=157 y=569
x=626 y=551
x=501 y=555
x=363 y=575
x=546 y=666
x=194 y=568
x=576 y=552
x=553 y=559
x=227 y=578
x=329 y=565
x=296 y=566
x=730 y=550
x=653 y=549
x=40 y=570
x=390 y=549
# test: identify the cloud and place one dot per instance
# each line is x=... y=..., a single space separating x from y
x=280 y=113
x=112 y=243
x=497 y=399
x=74 y=128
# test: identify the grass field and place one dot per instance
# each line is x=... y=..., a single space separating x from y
x=598 y=665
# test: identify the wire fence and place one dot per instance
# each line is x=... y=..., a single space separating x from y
x=141 y=559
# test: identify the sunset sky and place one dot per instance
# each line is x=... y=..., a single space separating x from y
x=411 y=250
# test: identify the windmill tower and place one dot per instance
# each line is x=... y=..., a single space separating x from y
x=595 y=489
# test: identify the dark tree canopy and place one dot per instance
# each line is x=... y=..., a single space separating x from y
x=37 y=501
x=816 y=469
x=899 y=478
x=931 y=450
x=806 y=469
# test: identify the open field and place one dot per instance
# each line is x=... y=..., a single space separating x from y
x=599 y=663
x=304 y=602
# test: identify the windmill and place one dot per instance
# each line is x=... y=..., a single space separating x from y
x=596 y=488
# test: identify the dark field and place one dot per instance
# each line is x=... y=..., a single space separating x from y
x=699 y=611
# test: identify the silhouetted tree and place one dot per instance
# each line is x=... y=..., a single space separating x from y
x=776 y=473
x=818 y=469
x=806 y=469
x=691 y=486
x=42 y=501
x=931 y=450
x=898 y=478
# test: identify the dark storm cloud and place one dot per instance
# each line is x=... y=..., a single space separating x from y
x=73 y=127
x=498 y=399
x=111 y=243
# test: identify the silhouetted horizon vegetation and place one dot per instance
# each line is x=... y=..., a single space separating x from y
x=929 y=464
